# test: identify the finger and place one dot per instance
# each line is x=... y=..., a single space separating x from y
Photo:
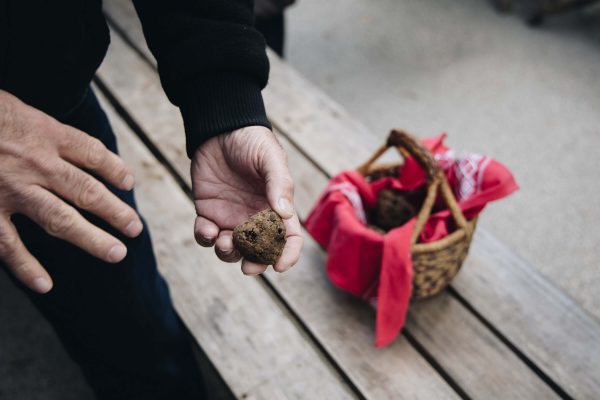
x=290 y=255
x=88 y=193
x=85 y=151
x=279 y=183
x=24 y=267
x=293 y=246
x=227 y=214
x=224 y=247
x=252 y=268
x=60 y=220
x=205 y=232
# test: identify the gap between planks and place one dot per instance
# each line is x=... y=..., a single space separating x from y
x=432 y=383
x=186 y=188
x=162 y=229
x=267 y=282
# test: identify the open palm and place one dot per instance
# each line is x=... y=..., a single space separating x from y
x=234 y=176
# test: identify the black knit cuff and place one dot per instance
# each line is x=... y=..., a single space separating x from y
x=220 y=103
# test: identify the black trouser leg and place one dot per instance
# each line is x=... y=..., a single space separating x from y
x=115 y=320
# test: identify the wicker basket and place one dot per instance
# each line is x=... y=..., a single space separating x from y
x=435 y=263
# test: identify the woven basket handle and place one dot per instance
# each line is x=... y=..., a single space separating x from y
x=403 y=140
x=406 y=144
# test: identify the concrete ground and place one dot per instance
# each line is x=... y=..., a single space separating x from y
x=528 y=97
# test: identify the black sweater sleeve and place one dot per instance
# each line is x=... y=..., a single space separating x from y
x=212 y=63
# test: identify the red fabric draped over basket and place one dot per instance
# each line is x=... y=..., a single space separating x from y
x=377 y=267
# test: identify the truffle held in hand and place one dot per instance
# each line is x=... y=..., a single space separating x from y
x=261 y=238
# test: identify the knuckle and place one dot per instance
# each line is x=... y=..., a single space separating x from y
x=43 y=162
x=23 y=196
x=287 y=184
x=98 y=244
x=8 y=241
x=96 y=153
x=66 y=174
x=6 y=110
x=59 y=220
x=122 y=214
x=71 y=138
x=121 y=169
x=90 y=194
x=118 y=170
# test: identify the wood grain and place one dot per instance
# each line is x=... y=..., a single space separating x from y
x=548 y=327
x=539 y=319
x=543 y=322
x=250 y=339
x=408 y=375
x=507 y=371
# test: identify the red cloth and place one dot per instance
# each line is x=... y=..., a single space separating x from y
x=378 y=267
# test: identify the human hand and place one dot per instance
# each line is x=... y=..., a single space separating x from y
x=235 y=175
x=41 y=168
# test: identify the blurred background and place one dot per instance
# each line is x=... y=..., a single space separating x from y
x=527 y=96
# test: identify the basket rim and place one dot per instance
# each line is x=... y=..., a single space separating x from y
x=446 y=241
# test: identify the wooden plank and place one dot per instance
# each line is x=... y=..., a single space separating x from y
x=542 y=321
x=461 y=329
x=492 y=282
x=548 y=327
x=405 y=372
x=251 y=339
x=476 y=359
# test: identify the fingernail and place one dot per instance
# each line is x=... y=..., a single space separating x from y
x=207 y=240
x=128 y=181
x=41 y=285
x=117 y=253
x=134 y=228
x=285 y=206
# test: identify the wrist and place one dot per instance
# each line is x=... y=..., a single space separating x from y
x=223 y=103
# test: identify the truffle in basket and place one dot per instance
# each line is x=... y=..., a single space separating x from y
x=393 y=209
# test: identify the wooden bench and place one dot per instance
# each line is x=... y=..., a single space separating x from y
x=500 y=331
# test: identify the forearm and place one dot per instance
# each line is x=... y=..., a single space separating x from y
x=212 y=62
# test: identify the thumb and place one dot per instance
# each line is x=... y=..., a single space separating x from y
x=279 y=184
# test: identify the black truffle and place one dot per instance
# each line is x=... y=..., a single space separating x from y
x=393 y=209
x=261 y=238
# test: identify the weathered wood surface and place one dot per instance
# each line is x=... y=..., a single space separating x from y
x=459 y=330
x=251 y=339
x=544 y=323
x=335 y=322
x=554 y=332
